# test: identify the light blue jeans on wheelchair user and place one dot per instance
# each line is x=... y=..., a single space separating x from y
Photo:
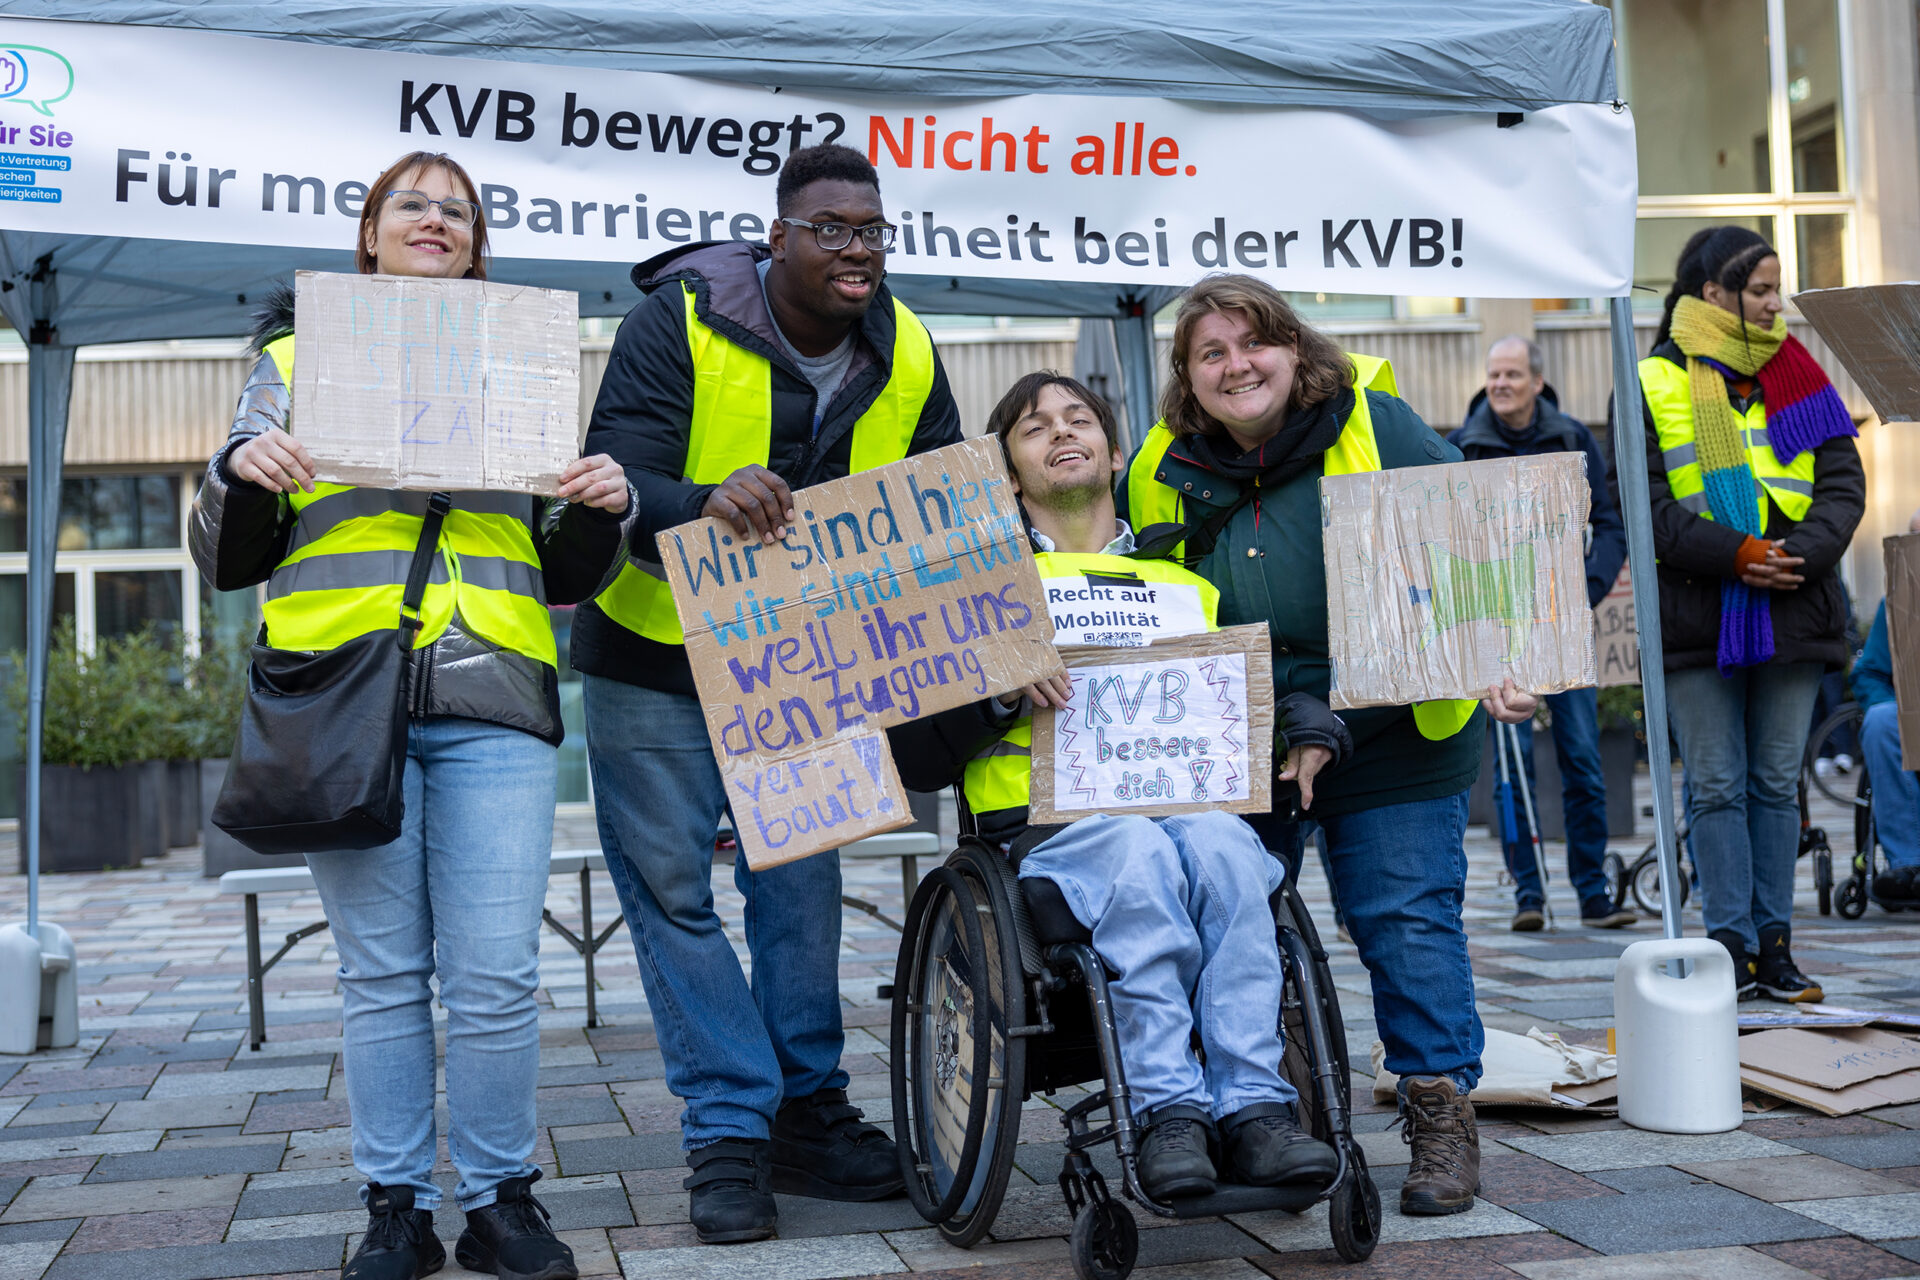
x=1178 y=908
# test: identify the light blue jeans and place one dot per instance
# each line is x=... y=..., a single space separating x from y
x=1896 y=792
x=733 y=1051
x=1178 y=908
x=457 y=897
x=1741 y=738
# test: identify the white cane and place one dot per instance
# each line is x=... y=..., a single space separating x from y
x=1533 y=820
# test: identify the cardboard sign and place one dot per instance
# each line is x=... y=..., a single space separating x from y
x=409 y=383
x=1616 y=643
x=899 y=592
x=1902 y=558
x=1444 y=580
x=1875 y=331
x=1179 y=726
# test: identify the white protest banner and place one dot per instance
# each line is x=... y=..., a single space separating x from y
x=1616 y=641
x=899 y=592
x=410 y=383
x=161 y=133
x=1442 y=581
x=1182 y=725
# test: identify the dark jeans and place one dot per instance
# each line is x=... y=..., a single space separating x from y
x=1583 y=799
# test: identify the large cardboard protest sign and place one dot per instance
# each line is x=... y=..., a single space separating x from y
x=899 y=592
x=1902 y=558
x=409 y=383
x=1616 y=640
x=1875 y=331
x=1444 y=580
x=1182 y=725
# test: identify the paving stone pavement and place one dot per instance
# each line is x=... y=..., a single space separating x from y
x=161 y=1148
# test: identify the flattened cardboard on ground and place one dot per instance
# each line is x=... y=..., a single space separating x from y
x=1834 y=1059
x=1886 y=1091
x=402 y=382
x=1875 y=331
x=1444 y=580
x=1200 y=709
x=1902 y=558
x=1616 y=642
x=900 y=592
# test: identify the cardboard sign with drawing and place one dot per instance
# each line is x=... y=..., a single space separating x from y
x=899 y=592
x=412 y=383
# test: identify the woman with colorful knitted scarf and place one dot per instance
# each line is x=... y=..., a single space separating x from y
x=1756 y=489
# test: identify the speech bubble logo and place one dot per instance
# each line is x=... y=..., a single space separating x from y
x=35 y=76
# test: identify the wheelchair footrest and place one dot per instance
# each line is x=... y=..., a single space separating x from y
x=1230 y=1198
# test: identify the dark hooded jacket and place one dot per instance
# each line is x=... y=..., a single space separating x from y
x=1485 y=436
x=645 y=406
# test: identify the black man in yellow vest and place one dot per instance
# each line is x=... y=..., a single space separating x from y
x=749 y=371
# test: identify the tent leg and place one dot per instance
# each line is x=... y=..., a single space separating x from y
x=1630 y=467
x=1133 y=333
x=49 y=389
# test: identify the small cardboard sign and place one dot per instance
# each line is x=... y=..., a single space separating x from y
x=403 y=382
x=1444 y=580
x=1616 y=643
x=1831 y=1059
x=898 y=592
x=1182 y=725
x=1902 y=559
x=1875 y=331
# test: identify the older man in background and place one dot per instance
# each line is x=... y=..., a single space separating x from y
x=1518 y=415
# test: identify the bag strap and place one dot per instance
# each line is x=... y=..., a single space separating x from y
x=1158 y=541
x=422 y=567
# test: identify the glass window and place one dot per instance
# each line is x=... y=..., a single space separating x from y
x=1342 y=306
x=13 y=513
x=1696 y=73
x=228 y=617
x=126 y=600
x=13 y=608
x=1823 y=249
x=1813 y=94
x=117 y=513
x=1436 y=306
x=1656 y=251
x=1563 y=304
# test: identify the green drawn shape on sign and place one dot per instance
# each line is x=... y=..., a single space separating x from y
x=38 y=77
x=1462 y=591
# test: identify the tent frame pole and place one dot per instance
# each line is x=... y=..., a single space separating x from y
x=49 y=392
x=1133 y=335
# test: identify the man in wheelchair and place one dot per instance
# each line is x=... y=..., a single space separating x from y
x=1177 y=906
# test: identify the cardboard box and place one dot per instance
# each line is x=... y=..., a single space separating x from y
x=408 y=383
x=901 y=592
x=1875 y=331
x=1616 y=641
x=1902 y=558
x=1444 y=580
x=1182 y=725
x=1834 y=1071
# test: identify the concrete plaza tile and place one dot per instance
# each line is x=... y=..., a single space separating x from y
x=1890 y=1217
x=1510 y=1179
x=183 y=1162
x=287 y=1226
x=1627 y=1148
x=1294 y=1233
x=613 y=1155
x=1673 y=1217
x=91 y=1144
x=826 y=1258
x=201 y=1084
x=114 y=1232
x=804 y=1216
x=27 y=1261
x=1195 y=1244
x=1217 y=1269
x=205 y=1261
x=926 y=1250
x=1890 y=1149
x=1807 y=1177
x=102 y=1198
x=1838 y=1259
x=1691 y=1264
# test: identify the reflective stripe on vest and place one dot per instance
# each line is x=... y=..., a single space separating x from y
x=732 y=427
x=346 y=567
x=1150 y=501
x=1669 y=396
x=999 y=777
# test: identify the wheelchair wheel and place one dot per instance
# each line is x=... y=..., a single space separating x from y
x=1846 y=718
x=1614 y=868
x=1644 y=878
x=1852 y=903
x=957 y=1076
x=1354 y=1212
x=1105 y=1242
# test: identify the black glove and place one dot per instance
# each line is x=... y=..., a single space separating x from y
x=1305 y=721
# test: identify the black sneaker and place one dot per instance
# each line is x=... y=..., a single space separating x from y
x=1175 y=1160
x=1529 y=918
x=1602 y=914
x=1896 y=884
x=1266 y=1147
x=1777 y=975
x=823 y=1147
x=731 y=1201
x=399 y=1244
x=511 y=1238
x=1745 y=985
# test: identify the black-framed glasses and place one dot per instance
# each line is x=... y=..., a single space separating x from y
x=877 y=236
x=411 y=206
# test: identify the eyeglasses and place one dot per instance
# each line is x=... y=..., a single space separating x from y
x=411 y=206
x=877 y=236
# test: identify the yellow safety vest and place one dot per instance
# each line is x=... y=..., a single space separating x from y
x=346 y=567
x=1151 y=500
x=1670 y=399
x=998 y=777
x=732 y=427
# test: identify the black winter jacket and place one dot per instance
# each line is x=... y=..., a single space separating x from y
x=642 y=415
x=1697 y=556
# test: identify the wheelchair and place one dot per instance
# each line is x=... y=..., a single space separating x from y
x=999 y=994
x=1851 y=896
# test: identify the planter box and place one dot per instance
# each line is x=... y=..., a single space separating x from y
x=222 y=853
x=183 y=803
x=1619 y=752
x=150 y=829
x=89 y=818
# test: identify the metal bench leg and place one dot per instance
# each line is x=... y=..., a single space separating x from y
x=587 y=952
x=256 y=978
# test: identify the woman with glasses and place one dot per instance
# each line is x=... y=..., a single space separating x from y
x=458 y=896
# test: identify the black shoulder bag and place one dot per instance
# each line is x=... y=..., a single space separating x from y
x=323 y=739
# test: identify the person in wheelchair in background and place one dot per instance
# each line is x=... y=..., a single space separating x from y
x=1177 y=906
x=1896 y=792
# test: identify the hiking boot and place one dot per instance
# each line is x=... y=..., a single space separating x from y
x=511 y=1238
x=1745 y=985
x=1264 y=1146
x=823 y=1147
x=1602 y=914
x=1174 y=1156
x=1437 y=1121
x=1529 y=918
x=731 y=1199
x=1777 y=975
x=399 y=1244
